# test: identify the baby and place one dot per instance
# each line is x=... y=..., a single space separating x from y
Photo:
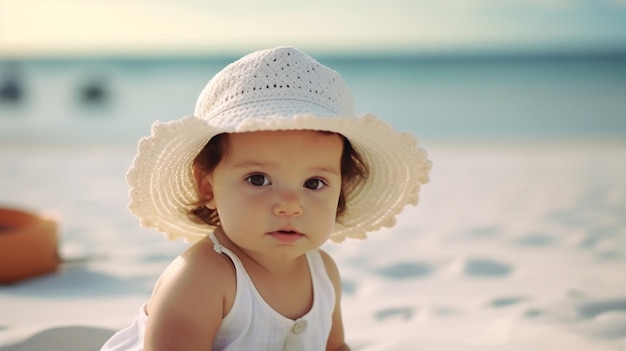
x=273 y=164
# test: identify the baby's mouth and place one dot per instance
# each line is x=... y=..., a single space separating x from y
x=286 y=235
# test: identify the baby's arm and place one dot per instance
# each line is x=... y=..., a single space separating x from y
x=187 y=305
x=336 y=339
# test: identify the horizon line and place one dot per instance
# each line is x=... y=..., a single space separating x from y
x=352 y=55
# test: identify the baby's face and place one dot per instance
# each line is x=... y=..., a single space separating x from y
x=277 y=192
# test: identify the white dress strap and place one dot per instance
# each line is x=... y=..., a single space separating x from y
x=216 y=244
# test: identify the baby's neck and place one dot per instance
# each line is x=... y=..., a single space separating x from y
x=285 y=285
x=259 y=262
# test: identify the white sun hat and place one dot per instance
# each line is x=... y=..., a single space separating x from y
x=275 y=89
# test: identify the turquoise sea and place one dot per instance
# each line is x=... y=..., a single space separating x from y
x=444 y=98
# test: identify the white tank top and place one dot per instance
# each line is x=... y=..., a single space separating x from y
x=252 y=324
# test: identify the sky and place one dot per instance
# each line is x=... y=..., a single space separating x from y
x=183 y=27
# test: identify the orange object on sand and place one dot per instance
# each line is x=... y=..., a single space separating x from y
x=28 y=245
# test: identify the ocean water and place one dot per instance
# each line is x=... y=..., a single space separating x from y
x=448 y=98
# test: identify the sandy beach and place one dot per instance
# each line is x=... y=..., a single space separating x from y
x=514 y=246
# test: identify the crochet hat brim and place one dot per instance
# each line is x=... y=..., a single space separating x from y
x=162 y=185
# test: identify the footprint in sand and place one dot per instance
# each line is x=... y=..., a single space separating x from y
x=610 y=255
x=405 y=313
x=479 y=267
x=348 y=287
x=605 y=318
x=405 y=270
x=506 y=301
x=536 y=241
x=595 y=308
x=534 y=312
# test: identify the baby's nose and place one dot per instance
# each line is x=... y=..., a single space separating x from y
x=288 y=204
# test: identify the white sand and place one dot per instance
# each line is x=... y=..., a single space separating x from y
x=513 y=247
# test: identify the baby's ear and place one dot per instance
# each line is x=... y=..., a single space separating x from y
x=205 y=187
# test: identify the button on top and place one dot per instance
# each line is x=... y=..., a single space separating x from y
x=298 y=327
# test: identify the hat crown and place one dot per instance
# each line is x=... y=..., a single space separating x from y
x=280 y=82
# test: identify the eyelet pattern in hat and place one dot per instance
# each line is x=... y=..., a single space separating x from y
x=276 y=82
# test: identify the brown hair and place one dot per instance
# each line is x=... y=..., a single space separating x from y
x=353 y=172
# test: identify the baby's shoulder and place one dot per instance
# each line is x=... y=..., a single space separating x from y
x=200 y=269
x=202 y=262
x=194 y=292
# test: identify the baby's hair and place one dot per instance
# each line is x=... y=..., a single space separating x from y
x=353 y=172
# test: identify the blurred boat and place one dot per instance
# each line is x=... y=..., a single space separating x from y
x=93 y=92
x=11 y=89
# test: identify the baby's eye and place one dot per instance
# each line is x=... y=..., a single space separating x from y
x=258 y=180
x=314 y=184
